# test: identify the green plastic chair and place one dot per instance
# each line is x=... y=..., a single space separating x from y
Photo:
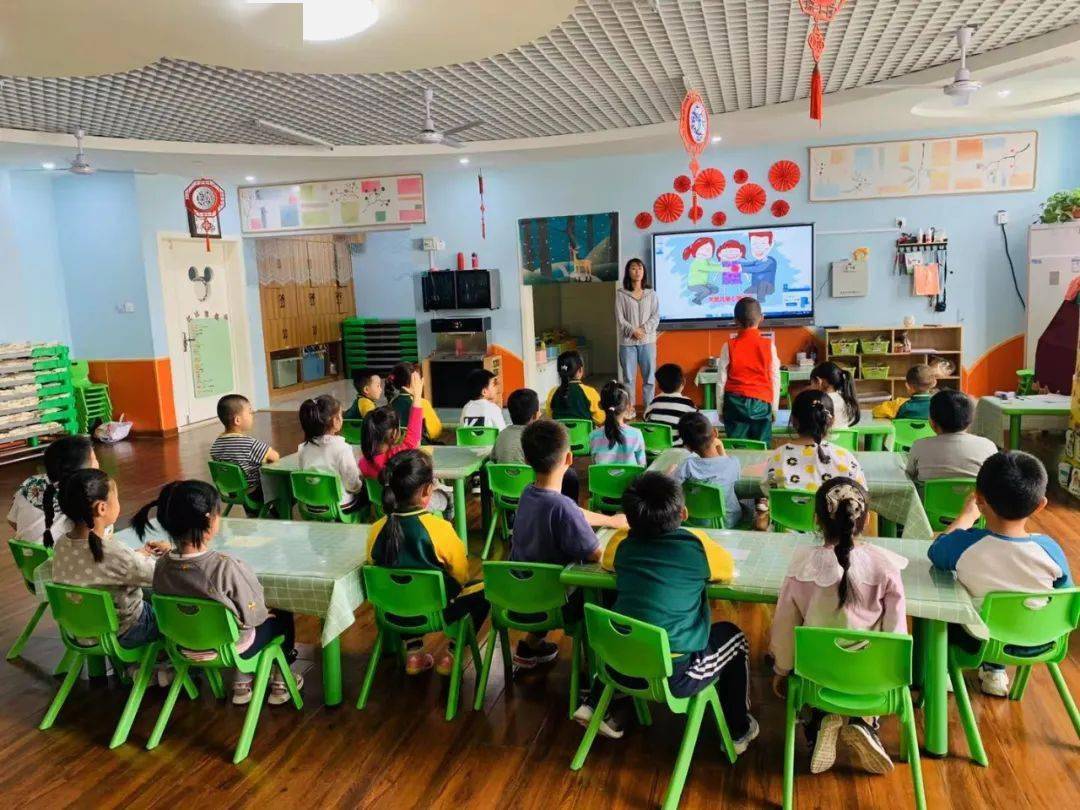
x=203 y=624
x=506 y=482
x=374 y=493
x=232 y=485
x=350 y=431
x=636 y=652
x=943 y=499
x=792 y=509
x=318 y=496
x=1025 y=381
x=848 y=438
x=785 y=383
x=854 y=673
x=92 y=403
x=579 y=430
x=89 y=613
x=411 y=602
x=1023 y=619
x=705 y=504
x=28 y=556
x=744 y=444
x=909 y=431
x=658 y=437
x=528 y=597
x=476 y=436
x=607 y=483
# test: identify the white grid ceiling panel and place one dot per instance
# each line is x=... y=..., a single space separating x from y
x=610 y=64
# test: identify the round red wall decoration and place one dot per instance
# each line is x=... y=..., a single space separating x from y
x=784 y=175
x=681 y=184
x=719 y=218
x=710 y=183
x=643 y=220
x=750 y=199
x=741 y=176
x=695 y=213
x=780 y=208
x=668 y=207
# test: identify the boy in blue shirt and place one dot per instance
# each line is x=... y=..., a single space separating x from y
x=1010 y=488
x=708 y=463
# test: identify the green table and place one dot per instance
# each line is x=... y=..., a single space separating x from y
x=894 y=496
x=707 y=378
x=934 y=600
x=991 y=412
x=454 y=464
x=878 y=433
x=304 y=567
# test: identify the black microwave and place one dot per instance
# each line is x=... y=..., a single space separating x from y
x=460 y=289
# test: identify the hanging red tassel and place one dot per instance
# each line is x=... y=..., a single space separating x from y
x=817 y=96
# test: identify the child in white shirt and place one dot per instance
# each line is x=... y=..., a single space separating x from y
x=324 y=449
x=35 y=514
x=483 y=410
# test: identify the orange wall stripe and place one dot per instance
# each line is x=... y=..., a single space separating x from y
x=140 y=389
x=513 y=370
x=995 y=370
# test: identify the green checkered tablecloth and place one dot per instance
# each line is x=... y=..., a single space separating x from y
x=762 y=560
x=304 y=567
x=893 y=495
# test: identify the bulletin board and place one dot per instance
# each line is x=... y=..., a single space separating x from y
x=971 y=164
x=350 y=203
x=211 y=356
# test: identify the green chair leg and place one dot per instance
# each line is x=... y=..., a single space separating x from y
x=460 y=640
x=62 y=694
x=493 y=638
x=641 y=709
x=1020 y=681
x=254 y=709
x=695 y=712
x=474 y=646
x=135 y=696
x=217 y=688
x=288 y=677
x=789 y=748
x=1066 y=698
x=967 y=716
x=167 y=707
x=575 y=673
x=369 y=676
x=912 y=739
x=593 y=728
x=190 y=687
x=24 y=636
x=508 y=659
x=490 y=532
x=721 y=723
x=65 y=662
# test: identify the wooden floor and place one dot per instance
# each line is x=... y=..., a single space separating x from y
x=400 y=752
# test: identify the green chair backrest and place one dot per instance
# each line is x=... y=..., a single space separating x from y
x=792 y=509
x=508 y=481
x=848 y=438
x=631 y=649
x=406 y=600
x=318 y=494
x=744 y=444
x=853 y=662
x=28 y=556
x=785 y=382
x=374 y=493
x=579 y=430
x=658 y=437
x=230 y=480
x=705 y=503
x=944 y=499
x=195 y=624
x=1030 y=620
x=1025 y=381
x=350 y=430
x=608 y=482
x=80 y=373
x=909 y=431
x=82 y=613
x=476 y=436
x=525 y=596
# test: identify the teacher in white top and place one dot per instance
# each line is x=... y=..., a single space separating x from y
x=637 y=315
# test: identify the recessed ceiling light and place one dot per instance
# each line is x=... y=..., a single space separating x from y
x=463 y=161
x=48 y=165
x=1005 y=93
x=249 y=179
x=336 y=19
x=717 y=138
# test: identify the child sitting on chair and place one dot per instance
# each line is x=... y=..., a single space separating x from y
x=324 y=449
x=34 y=514
x=953 y=452
x=671 y=405
x=709 y=463
x=615 y=442
x=237 y=446
x=920 y=382
x=483 y=409
x=369 y=390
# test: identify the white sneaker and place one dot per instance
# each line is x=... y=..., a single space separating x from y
x=608 y=727
x=278 y=692
x=866 y=747
x=241 y=691
x=744 y=741
x=824 y=755
x=165 y=675
x=994 y=682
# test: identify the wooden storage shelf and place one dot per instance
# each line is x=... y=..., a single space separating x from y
x=926 y=342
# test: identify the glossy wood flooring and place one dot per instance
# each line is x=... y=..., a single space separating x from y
x=400 y=752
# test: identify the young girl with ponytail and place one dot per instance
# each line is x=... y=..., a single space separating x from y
x=616 y=442
x=841 y=583
x=35 y=515
x=839 y=385
x=323 y=448
x=411 y=537
x=380 y=434
x=189 y=512
x=87 y=555
x=571 y=398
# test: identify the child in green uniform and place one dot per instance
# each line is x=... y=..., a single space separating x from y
x=571 y=398
x=920 y=383
x=369 y=390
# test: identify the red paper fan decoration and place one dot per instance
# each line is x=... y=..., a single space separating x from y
x=643 y=220
x=719 y=218
x=784 y=175
x=709 y=183
x=695 y=213
x=780 y=208
x=668 y=207
x=741 y=176
x=750 y=199
x=682 y=184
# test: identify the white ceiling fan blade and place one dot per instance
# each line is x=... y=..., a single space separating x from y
x=902 y=85
x=452 y=142
x=1017 y=73
x=462 y=127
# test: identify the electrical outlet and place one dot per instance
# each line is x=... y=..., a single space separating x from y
x=901 y=223
x=1002 y=217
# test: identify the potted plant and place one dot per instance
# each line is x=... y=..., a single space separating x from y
x=1062 y=206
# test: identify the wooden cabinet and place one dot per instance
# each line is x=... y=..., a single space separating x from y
x=280 y=333
x=320 y=262
x=277 y=301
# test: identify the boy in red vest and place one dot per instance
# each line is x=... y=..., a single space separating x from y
x=749 y=377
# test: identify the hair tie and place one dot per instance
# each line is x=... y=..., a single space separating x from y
x=845 y=492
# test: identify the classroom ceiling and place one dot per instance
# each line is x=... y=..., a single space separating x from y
x=608 y=65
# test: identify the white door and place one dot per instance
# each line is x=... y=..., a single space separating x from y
x=206 y=326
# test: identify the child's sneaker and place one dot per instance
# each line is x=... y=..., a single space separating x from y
x=445 y=665
x=528 y=656
x=418 y=662
x=866 y=746
x=278 y=691
x=751 y=734
x=241 y=690
x=824 y=754
x=994 y=682
x=164 y=674
x=609 y=727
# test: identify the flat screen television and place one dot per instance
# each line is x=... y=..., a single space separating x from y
x=700 y=275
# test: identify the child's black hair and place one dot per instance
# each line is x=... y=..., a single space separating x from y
x=402 y=479
x=653 y=504
x=229 y=407
x=952 y=410
x=812 y=416
x=477 y=381
x=185 y=510
x=1013 y=483
x=921 y=378
x=63 y=457
x=317 y=414
x=523 y=405
x=747 y=312
x=378 y=431
x=696 y=431
x=568 y=365
x=840 y=381
x=78 y=493
x=361 y=377
x=842 y=519
x=545 y=443
x=669 y=378
x=614 y=402
x=398 y=379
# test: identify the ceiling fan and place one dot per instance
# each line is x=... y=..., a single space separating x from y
x=80 y=164
x=430 y=135
x=962 y=88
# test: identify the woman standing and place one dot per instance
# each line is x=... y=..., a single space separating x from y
x=637 y=315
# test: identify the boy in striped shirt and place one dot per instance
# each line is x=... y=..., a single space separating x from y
x=237 y=446
x=671 y=405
